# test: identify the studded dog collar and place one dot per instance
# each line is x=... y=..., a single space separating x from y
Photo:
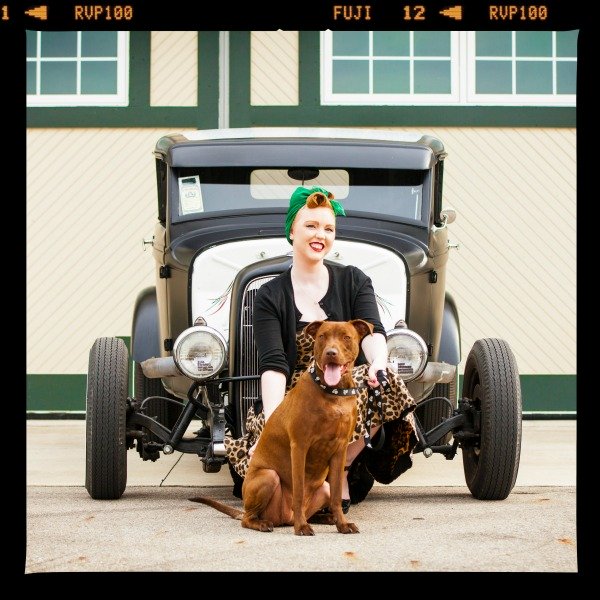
x=336 y=391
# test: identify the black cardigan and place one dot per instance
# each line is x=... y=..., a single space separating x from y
x=276 y=318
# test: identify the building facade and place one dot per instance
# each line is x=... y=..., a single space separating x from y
x=503 y=103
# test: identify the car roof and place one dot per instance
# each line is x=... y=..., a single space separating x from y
x=176 y=148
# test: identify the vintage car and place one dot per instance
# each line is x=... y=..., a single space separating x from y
x=222 y=199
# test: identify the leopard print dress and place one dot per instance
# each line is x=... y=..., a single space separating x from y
x=396 y=403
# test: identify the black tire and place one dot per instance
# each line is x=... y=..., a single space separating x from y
x=491 y=382
x=431 y=414
x=164 y=412
x=105 y=427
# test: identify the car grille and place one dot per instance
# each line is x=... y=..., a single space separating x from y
x=248 y=391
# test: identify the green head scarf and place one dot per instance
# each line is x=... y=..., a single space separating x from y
x=301 y=196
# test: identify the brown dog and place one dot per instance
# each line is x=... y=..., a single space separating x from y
x=305 y=441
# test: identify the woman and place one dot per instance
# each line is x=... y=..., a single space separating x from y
x=314 y=291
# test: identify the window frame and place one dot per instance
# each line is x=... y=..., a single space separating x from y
x=463 y=80
x=120 y=98
x=514 y=99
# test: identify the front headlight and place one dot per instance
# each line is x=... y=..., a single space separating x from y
x=407 y=353
x=200 y=352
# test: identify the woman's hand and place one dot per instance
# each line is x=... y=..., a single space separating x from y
x=375 y=348
x=375 y=368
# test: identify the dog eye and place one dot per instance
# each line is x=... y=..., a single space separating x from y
x=347 y=338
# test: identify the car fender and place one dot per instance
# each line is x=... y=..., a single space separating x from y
x=145 y=331
x=450 y=339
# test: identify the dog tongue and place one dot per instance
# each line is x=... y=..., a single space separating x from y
x=332 y=374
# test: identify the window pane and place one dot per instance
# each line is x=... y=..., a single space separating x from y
x=432 y=77
x=534 y=77
x=391 y=43
x=566 y=77
x=58 y=78
x=432 y=43
x=566 y=43
x=99 y=43
x=350 y=43
x=350 y=76
x=31 y=81
x=493 y=43
x=534 y=43
x=98 y=77
x=31 y=43
x=59 y=43
x=391 y=77
x=493 y=77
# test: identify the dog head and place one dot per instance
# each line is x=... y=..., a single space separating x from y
x=336 y=346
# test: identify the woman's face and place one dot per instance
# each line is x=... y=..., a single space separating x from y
x=313 y=232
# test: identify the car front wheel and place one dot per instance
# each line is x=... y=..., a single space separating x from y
x=105 y=428
x=492 y=387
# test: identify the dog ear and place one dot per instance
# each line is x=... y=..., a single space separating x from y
x=312 y=328
x=363 y=327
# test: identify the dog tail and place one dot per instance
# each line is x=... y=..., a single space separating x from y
x=234 y=513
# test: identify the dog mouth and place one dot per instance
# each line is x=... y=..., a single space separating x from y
x=332 y=373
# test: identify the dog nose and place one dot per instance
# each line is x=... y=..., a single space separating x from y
x=331 y=352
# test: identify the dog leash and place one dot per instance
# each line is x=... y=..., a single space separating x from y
x=374 y=401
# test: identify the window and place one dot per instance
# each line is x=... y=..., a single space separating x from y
x=390 y=67
x=386 y=192
x=77 y=68
x=526 y=68
x=523 y=67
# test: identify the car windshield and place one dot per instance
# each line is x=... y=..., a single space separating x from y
x=393 y=192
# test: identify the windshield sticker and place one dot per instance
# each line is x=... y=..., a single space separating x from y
x=190 y=196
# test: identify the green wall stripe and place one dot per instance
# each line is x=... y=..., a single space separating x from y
x=139 y=113
x=309 y=112
x=541 y=393
x=549 y=392
x=139 y=69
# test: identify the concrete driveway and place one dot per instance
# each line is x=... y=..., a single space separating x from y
x=426 y=521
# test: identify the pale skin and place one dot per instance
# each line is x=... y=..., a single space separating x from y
x=312 y=235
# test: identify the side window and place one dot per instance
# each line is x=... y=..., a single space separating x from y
x=77 y=68
x=161 y=188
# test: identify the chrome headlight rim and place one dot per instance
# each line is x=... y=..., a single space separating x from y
x=191 y=331
x=405 y=332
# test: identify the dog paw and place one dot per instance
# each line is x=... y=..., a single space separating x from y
x=347 y=528
x=304 y=530
x=265 y=526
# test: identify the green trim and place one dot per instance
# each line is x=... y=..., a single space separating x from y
x=553 y=396
x=56 y=392
x=139 y=113
x=549 y=393
x=311 y=113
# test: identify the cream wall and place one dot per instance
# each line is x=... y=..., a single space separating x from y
x=274 y=68
x=513 y=276
x=174 y=68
